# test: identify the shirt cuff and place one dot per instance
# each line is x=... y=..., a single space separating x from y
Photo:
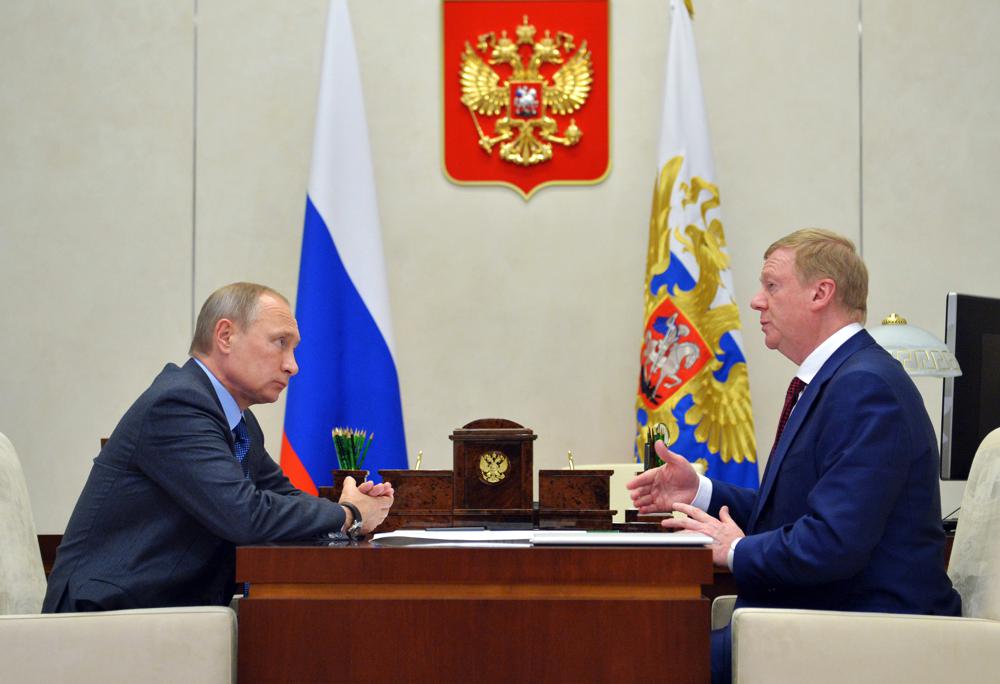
x=732 y=553
x=704 y=495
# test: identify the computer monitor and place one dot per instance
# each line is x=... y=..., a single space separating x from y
x=970 y=406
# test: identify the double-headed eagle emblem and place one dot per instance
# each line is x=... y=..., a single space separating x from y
x=493 y=466
x=526 y=99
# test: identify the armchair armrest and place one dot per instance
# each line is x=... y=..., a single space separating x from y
x=722 y=610
x=195 y=644
x=779 y=646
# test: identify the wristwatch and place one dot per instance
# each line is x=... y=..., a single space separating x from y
x=354 y=531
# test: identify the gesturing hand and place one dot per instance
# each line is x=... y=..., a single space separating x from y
x=657 y=489
x=722 y=529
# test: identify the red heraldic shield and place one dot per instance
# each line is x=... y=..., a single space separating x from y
x=526 y=92
x=673 y=352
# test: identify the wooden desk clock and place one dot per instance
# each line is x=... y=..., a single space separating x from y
x=492 y=472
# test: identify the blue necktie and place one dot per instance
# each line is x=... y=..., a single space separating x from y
x=241 y=446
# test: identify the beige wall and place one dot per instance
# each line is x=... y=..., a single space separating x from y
x=152 y=151
x=95 y=225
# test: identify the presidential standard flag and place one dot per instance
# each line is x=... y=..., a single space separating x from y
x=347 y=374
x=693 y=375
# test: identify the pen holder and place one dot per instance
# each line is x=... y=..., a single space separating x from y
x=649 y=457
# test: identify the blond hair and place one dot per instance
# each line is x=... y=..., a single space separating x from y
x=238 y=302
x=822 y=253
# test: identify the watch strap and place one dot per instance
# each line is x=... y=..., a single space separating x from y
x=354 y=530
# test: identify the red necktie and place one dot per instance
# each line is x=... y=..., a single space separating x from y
x=795 y=388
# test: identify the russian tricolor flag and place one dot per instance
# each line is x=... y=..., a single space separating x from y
x=347 y=375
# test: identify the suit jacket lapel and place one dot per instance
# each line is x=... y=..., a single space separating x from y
x=801 y=411
x=192 y=368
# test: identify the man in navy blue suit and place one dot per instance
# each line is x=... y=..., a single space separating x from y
x=184 y=477
x=848 y=514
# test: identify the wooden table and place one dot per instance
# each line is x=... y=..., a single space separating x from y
x=364 y=613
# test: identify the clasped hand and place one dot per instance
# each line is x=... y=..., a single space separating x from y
x=373 y=501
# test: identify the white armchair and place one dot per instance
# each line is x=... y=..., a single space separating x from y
x=195 y=644
x=779 y=646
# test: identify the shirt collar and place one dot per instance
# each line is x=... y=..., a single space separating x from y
x=810 y=367
x=229 y=405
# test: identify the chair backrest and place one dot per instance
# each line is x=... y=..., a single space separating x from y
x=22 y=577
x=974 y=567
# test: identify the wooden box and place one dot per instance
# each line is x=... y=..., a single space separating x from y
x=493 y=472
x=574 y=489
x=423 y=498
x=575 y=499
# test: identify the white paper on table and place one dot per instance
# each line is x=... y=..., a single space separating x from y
x=478 y=538
x=559 y=537
x=505 y=538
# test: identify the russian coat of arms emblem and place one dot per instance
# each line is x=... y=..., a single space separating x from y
x=525 y=88
x=526 y=130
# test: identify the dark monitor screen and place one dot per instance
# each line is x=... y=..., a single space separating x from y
x=970 y=407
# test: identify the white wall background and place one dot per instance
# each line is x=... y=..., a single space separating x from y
x=150 y=152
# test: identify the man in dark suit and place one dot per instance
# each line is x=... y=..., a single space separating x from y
x=184 y=477
x=848 y=514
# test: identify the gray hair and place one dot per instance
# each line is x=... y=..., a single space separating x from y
x=238 y=302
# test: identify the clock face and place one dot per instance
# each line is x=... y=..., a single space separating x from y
x=493 y=467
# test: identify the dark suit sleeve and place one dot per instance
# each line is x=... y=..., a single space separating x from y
x=270 y=477
x=185 y=450
x=739 y=499
x=861 y=448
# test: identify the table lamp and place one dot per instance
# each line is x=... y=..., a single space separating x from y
x=920 y=352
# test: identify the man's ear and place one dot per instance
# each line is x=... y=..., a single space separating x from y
x=224 y=330
x=824 y=291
